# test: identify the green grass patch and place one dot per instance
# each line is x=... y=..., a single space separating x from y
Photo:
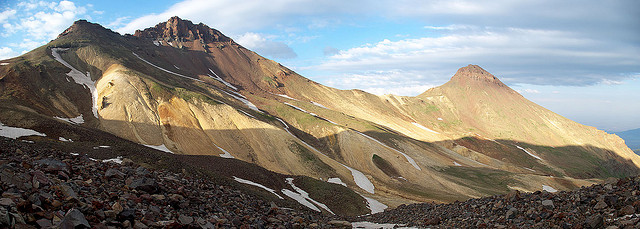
x=486 y=181
x=310 y=159
x=341 y=200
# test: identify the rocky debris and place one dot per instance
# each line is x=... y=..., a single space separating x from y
x=74 y=219
x=47 y=188
x=612 y=204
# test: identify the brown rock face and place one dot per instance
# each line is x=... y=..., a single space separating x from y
x=182 y=30
x=474 y=74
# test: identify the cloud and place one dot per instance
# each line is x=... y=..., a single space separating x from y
x=29 y=24
x=265 y=46
x=397 y=82
x=4 y=15
x=528 y=91
x=47 y=24
x=233 y=18
x=451 y=27
x=516 y=55
x=6 y=52
x=330 y=51
x=611 y=82
x=118 y=22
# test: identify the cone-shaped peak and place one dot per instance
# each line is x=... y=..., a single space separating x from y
x=84 y=27
x=474 y=74
x=182 y=30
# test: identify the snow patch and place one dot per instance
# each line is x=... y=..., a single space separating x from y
x=27 y=141
x=156 y=43
x=374 y=205
x=79 y=78
x=409 y=159
x=548 y=188
x=305 y=195
x=101 y=147
x=64 y=139
x=456 y=163
x=74 y=154
x=300 y=109
x=358 y=177
x=440 y=119
x=218 y=78
x=424 y=128
x=370 y=225
x=317 y=104
x=160 y=147
x=336 y=180
x=257 y=185
x=529 y=169
x=225 y=154
x=16 y=132
x=243 y=100
x=3 y=64
x=300 y=199
x=165 y=70
x=117 y=160
x=527 y=151
x=76 y=120
x=176 y=67
x=247 y=114
x=361 y=180
x=286 y=96
x=312 y=114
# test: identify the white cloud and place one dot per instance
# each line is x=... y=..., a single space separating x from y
x=516 y=55
x=611 y=82
x=528 y=91
x=397 y=82
x=4 y=15
x=233 y=18
x=47 y=24
x=118 y=22
x=6 y=53
x=27 y=44
x=265 y=46
x=399 y=90
x=451 y=27
x=29 y=24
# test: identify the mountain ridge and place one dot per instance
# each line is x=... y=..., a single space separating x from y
x=471 y=137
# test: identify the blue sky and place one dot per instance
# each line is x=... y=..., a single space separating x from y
x=578 y=58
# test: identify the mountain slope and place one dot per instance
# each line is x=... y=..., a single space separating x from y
x=188 y=89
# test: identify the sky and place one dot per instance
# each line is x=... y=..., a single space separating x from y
x=578 y=58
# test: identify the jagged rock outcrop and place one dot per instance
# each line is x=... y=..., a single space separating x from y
x=181 y=30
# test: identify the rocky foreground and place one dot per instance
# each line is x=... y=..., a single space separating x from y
x=613 y=204
x=44 y=188
x=49 y=188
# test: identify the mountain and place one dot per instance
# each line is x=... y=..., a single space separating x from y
x=186 y=88
x=632 y=138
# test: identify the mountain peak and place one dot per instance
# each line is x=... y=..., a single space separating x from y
x=177 y=29
x=83 y=26
x=474 y=74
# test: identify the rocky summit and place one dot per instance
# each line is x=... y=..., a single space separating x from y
x=185 y=103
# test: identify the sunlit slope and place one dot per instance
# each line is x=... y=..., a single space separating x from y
x=188 y=89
